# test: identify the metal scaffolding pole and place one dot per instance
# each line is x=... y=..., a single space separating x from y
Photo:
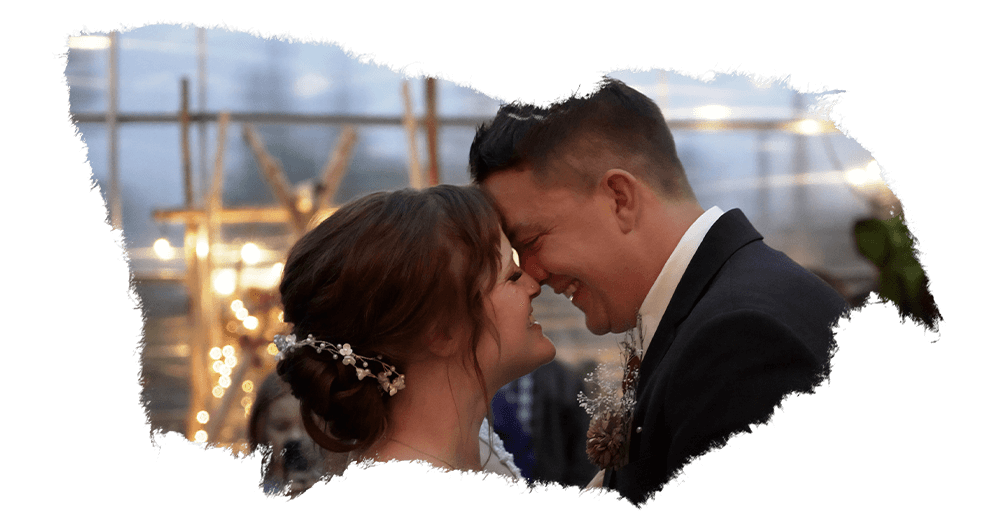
x=114 y=195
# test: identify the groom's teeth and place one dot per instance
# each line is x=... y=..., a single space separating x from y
x=568 y=292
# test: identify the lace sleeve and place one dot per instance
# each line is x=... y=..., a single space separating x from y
x=494 y=456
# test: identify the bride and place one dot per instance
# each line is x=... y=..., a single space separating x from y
x=408 y=314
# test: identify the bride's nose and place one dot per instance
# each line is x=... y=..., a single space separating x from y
x=534 y=288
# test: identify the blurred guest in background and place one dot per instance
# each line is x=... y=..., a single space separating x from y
x=540 y=421
x=292 y=461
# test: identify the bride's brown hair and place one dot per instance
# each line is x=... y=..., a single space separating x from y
x=384 y=273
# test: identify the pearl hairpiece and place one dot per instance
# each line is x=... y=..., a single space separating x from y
x=389 y=380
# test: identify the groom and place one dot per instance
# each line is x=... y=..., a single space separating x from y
x=597 y=205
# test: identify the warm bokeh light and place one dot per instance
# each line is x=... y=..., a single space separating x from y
x=251 y=323
x=163 y=249
x=231 y=361
x=218 y=366
x=200 y=436
x=224 y=281
x=228 y=350
x=225 y=382
x=276 y=271
x=247 y=386
x=807 y=127
x=90 y=42
x=246 y=402
x=217 y=392
x=202 y=416
x=713 y=112
x=215 y=353
x=201 y=248
x=250 y=253
x=236 y=305
x=242 y=313
x=272 y=349
x=867 y=178
x=226 y=371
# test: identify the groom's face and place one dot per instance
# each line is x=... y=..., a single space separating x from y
x=569 y=240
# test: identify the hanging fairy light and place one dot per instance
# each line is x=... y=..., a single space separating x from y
x=225 y=381
x=247 y=386
x=218 y=366
x=202 y=416
x=215 y=353
x=228 y=351
x=272 y=349
x=200 y=436
x=224 y=281
x=242 y=313
x=218 y=391
x=236 y=305
x=250 y=253
x=231 y=361
x=251 y=323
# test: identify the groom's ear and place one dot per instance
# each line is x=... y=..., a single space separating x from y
x=622 y=190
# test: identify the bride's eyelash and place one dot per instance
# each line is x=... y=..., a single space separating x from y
x=517 y=275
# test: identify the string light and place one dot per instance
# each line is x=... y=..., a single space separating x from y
x=236 y=305
x=272 y=349
x=200 y=436
x=215 y=353
x=231 y=361
x=250 y=253
x=225 y=382
x=251 y=323
x=224 y=281
x=246 y=402
x=247 y=386
x=228 y=350
x=218 y=366
x=242 y=313
x=202 y=416
x=217 y=391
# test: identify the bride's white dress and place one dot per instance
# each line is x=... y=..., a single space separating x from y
x=494 y=456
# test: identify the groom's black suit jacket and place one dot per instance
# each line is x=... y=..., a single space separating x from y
x=745 y=327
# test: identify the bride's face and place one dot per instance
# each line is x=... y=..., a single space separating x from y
x=523 y=347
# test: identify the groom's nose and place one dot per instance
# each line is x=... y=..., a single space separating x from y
x=531 y=266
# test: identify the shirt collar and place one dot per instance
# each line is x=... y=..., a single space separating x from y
x=656 y=301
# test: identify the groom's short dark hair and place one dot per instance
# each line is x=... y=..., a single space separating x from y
x=615 y=120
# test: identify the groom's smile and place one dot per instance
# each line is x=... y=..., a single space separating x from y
x=570 y=240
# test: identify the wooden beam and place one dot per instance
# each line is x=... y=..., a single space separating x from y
x=430 y=123
x=275 y=177
x=410 y=125
x=336 y=168
x=225 y=216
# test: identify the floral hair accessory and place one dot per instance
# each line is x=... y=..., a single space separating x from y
x=389 y=380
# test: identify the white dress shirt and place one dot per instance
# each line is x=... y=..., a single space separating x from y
x=659 y=295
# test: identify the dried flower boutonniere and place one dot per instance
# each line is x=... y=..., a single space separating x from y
x=612 y=402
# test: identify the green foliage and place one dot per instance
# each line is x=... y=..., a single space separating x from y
x=889 y=245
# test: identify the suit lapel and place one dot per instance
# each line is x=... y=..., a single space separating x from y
x=729 y=233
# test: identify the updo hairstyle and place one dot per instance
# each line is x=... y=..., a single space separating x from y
x=384 y=273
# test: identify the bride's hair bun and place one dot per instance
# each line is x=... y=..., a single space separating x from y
x=382 y=273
